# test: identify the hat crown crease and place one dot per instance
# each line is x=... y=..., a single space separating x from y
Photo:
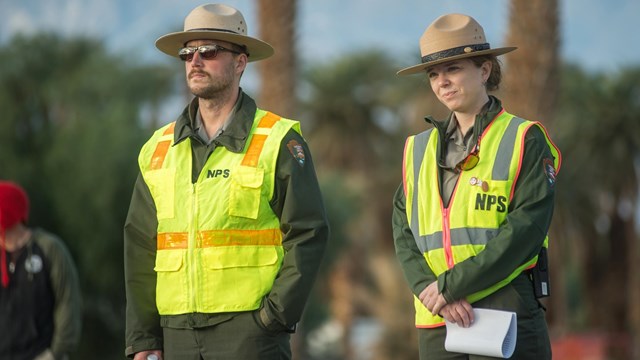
x=216 y=16
x=452 y=37
x=215 y=22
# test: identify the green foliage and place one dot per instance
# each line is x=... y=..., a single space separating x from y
x=71 y=120
x=351 y=108
x=342 y=207
x=598 y=132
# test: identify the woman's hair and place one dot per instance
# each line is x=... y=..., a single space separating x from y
x=493 y=82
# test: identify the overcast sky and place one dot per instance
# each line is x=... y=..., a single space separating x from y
x=596 y=34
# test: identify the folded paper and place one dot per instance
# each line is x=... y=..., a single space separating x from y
x=493 y=333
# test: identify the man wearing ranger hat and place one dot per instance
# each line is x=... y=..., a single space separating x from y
x=226 y=226
x=471 y=217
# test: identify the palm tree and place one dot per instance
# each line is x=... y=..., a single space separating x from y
x=530 y=90
x=531 y=82
x=595 y=253
x=355 y=116
x=600 y=134
x=351 y=111
x=277 y=21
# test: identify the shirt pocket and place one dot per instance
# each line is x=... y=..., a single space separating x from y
x=161 y=183
x=244 y=194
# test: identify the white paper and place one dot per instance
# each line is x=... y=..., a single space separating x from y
x=493 y=333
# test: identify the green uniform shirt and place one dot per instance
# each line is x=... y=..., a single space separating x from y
x=297 y=202
x=519 y=238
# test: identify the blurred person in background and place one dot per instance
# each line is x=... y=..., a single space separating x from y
x=226 y=227
x=40 y=300
x=470 y=220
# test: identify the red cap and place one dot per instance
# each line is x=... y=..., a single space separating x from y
x=14 y=205
x=14 y=208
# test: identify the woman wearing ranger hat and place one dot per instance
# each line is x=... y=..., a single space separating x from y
x=471 y=217
x=226 y=226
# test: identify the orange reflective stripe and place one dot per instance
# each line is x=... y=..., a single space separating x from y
x=170 y=129
x=268 y=120
x=254 y=150
x=212 y=238
x=162 y=148
x=257 y=141
x=175 y=240
x=239 y=237
x=159 y=154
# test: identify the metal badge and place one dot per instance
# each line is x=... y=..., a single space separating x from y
x=484 y=185
x=33 y=264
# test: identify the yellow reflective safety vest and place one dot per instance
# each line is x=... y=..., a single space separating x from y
x=478 y=205
x=219 y=244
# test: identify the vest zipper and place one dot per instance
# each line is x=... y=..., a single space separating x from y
x=446 y=238
x=446 y=226
x=191 y=261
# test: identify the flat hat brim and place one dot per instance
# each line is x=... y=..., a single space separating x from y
x=420 y=67
x=171 y=43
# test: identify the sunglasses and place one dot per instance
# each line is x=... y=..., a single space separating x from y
x=206 y=52
x=468 y=162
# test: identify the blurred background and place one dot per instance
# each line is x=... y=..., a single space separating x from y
x=82 y=87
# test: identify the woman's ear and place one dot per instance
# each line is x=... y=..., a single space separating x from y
x=486 y=70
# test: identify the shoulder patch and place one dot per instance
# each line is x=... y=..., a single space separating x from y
x=549 y=171
x=297 y=151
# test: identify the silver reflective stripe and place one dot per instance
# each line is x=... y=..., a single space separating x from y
x=419 y=148
x=430 y=242
x=505 y=151
x=461 y=236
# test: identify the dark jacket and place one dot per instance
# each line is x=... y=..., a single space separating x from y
x=41 y=308
x=297 y=202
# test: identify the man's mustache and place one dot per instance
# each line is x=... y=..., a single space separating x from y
x=197 y=72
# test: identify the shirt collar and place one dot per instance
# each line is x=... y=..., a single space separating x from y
x=488 y=113
x=236 y=128
x=202 y=132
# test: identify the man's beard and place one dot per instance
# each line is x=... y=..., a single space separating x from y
x=215 y=87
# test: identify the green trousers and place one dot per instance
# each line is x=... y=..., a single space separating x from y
x=240 y=338
x=532 y=339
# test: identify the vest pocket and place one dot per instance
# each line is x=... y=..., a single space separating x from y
x=223 y=257
x=171 y=289
x=169 y=260
x=238 y=277
x=244 y=195
x=161 y=184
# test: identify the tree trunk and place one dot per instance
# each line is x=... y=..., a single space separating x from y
x=531 y=82
x=530 y=90
x=277 y=21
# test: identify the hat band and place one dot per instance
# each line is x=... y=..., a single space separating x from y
x=213 y=29
x=466 y=49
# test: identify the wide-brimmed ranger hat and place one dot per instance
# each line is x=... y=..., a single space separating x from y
x=215 y=22
x=452 y=37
